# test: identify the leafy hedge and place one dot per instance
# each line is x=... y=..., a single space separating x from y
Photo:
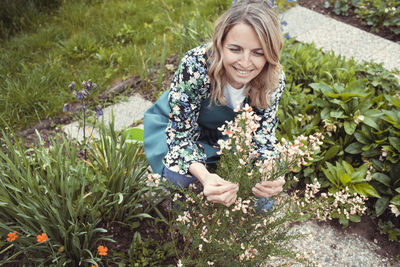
x=357 y=107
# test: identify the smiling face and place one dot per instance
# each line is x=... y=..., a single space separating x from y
x=243 y=57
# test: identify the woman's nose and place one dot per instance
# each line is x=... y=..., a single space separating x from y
x=245 y=61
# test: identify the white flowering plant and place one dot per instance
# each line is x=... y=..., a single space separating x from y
x=207 y=233
x=343 y=204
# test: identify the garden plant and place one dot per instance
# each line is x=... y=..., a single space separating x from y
x=58 y=207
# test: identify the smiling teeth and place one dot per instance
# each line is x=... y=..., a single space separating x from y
x=243 y=71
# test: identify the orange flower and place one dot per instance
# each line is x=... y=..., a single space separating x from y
x=102 y=250
x=12 y=236
x=42 y=238
x=93 y=266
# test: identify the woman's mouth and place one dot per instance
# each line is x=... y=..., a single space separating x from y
x=242 y=72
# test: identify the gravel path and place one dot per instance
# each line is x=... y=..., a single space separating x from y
x=324 y=245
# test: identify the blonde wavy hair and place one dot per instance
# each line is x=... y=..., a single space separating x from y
x=260 y=16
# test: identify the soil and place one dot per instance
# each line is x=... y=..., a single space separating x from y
x=317 y=6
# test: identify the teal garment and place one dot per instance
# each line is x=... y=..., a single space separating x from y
x=156 y=121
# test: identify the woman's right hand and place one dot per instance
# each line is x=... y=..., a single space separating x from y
x=219 y=190
x=215 y=188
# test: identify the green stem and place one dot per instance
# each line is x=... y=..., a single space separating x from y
x=4 y=250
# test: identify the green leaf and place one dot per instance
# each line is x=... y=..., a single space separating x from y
x=354 y=148
x=349 y=169
x=360 y=136
x=397 y=189
x=134 y=134
x=332 y=152
x=321 y=87
x=395 y=200
x=343 y=221
x=381 y=205
x=330 y=174
x=354 y=218
x=337 y=114
x=360 y=174
x=350 y=127
x=370 y=122
x=395 y=142
x=345 y=179
x=135 y=225
x=121 y=198
x=382 y=178
x=365 y=189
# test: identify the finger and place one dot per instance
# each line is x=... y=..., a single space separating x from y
x=220 y=189
x=221 y=198
x=231 y=201
x=279 y=182
x=259 y=193
x=267 y=191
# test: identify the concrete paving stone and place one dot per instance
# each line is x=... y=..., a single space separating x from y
x=125 y=114
x=332 y=35
x=389 y=55
x=301 y=20
x=344 y=40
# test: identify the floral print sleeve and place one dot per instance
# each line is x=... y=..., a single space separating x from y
x=190 y=86
x=265 y=139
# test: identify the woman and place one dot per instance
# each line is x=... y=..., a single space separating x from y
x=240 y=66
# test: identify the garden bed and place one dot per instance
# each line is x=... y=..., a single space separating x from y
x=351 y=19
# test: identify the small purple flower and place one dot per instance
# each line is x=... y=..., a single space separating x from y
x=89 y=85
x=80 y=95
x=71 y=86
x=67 y=107
x=287 y=36
x=99 y=112
x=284 y=23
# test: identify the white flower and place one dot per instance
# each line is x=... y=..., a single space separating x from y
x=394 y=210
x=359 y=119
x=179 y=264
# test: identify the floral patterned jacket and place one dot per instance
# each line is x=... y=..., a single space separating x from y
x=190 y=86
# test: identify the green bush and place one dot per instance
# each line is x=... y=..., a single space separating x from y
x=47 y=190
x=358 y=108
x=52 y=190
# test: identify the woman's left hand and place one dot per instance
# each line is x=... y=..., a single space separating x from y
x=268 y=188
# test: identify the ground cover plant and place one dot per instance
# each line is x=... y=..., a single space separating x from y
x=374 y=16
x=356 y=106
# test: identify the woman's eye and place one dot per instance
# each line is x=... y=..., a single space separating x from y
x=235 y=50
x=260 y=54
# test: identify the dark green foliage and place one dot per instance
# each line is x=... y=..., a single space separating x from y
x=17 y=15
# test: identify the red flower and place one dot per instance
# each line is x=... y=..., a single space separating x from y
x=102 y=250
x=12 y=236
x=42 y=238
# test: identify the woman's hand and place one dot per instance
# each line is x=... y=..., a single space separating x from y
x=268 y=188
x=215 y=188
x=219 y=190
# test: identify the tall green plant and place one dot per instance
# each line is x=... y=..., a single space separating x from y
x=124 y=169
x=47 y=190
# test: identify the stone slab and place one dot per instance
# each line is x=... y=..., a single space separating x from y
x=331 y=35
x=125 y=114
x=302 y=20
